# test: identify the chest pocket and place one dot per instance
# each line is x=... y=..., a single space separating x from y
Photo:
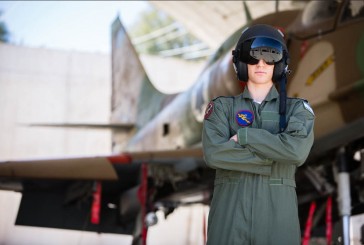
x=270 y=121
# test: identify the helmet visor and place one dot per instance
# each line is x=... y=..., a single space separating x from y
x=261 y=48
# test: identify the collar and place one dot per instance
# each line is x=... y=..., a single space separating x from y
x=273 y=94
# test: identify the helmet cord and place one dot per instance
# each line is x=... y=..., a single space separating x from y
x=282 y=102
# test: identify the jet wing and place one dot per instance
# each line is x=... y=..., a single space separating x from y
x=105 y=194
x=112 y=126
x=90 y=168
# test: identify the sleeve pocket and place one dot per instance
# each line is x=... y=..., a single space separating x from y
x=296 y=127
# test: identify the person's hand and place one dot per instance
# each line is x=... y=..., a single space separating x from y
x=234 y=138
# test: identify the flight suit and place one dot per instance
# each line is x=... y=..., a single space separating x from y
x=254 y=200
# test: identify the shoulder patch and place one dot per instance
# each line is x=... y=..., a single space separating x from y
x=209 y=109
x=308 y=107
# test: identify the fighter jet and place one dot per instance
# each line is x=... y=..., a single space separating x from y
x=158 y=160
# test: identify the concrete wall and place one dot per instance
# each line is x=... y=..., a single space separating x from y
x=49 y=86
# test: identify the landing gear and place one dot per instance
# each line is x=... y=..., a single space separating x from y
x=151 y=219
x=344 y=198
x=141 y=228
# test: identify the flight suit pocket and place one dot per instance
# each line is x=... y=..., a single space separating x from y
x=270 y=121
x=271 y=126
x=296 y=127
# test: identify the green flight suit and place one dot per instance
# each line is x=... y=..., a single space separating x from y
x=254 y=200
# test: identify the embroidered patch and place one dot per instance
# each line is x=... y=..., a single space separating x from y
x=244 y=118
x=209 y=109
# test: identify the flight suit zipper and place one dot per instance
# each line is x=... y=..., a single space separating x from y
x=257 y=114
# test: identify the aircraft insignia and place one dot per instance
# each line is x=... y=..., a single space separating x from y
x=244 y=118
x=320 y=70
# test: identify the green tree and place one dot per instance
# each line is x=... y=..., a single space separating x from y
x=4 y=33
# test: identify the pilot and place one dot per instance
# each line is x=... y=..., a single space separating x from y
x=255 y=141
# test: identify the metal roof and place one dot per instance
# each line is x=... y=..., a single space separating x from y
x=213 y=21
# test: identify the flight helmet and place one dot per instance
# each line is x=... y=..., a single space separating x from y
x=257 y=42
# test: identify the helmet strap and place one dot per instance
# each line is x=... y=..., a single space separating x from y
x=282 y=102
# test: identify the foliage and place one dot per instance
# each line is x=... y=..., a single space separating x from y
x=4 y=33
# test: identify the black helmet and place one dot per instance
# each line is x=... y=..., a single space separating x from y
x=260 y=42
